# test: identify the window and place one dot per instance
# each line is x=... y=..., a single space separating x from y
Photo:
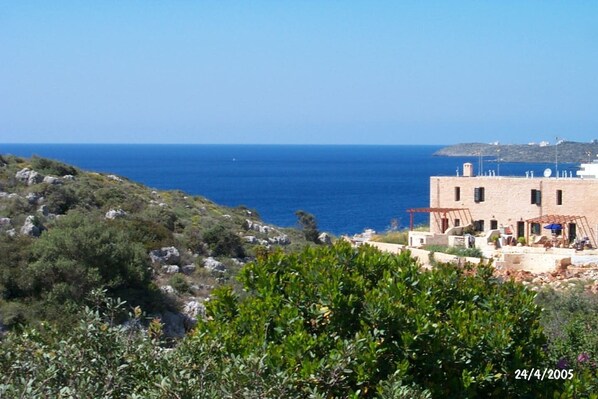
x=457 y=222
x=536 y=228
x=479 y=194
x=493 y=224
x=536 y=197
x=478 y=225
x=559 y=197
x=457 y=193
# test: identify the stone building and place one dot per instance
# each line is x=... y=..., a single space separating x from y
x=522 y=206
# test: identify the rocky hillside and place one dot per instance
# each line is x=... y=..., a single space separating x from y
x=568 y=151
x=65 y=232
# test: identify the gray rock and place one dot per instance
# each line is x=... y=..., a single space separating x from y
x=115 y=214
x=52 y=180
x=213 y=265
x=188 y=269
x=29 y=228
x=11 y=232
x=43 y=210
x=325 y=238
x=68 y=177
x=194 y=288
x=194 y=309
x=250 y=239
x=35 y=178
x=114 y=177
x=176 y=325
x=14 y=196
x=4 y=223
x=280 y=240
x=23 y=175
x=29 y=176
x=167 y=289
x=3 y=194
x=165 y=255
x=33 y=198
x=255 y=226
x=237 y=262
x=170 y=269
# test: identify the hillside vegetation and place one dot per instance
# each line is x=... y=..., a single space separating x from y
x=65 y=232
x=568 y=152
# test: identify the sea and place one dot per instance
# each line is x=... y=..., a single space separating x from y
x=348 y=188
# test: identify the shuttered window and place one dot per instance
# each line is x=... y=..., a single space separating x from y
x=559 y=197
x=536 y=197
x=479 y=194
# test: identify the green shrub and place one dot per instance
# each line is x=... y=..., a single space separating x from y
x=570 y=319
x=94 y=359
x=341 y=320
x=51 y=167
x=110 y=197
x=331 y=322
x=13 y=262
x=464 y=252
x=308 y=224
x=80 y=254
x=158 y=214
x=393 y=237
x=179 y=283
x=60 y=199
x=147 y=232
x=224 y=242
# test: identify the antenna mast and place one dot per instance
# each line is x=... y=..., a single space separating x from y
x=556 y=155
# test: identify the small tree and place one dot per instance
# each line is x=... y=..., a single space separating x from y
x=224 y=242
x=308 y=225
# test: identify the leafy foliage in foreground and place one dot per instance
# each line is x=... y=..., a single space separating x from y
x=570 y=320
x=331 y=322
x=343 y=321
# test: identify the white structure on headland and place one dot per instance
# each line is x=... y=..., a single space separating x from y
x=588 y=170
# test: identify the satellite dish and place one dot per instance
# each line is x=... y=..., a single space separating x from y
x=547 y=172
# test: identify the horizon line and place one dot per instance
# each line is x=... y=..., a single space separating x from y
x=247 y=144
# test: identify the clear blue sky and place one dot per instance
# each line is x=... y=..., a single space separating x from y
x=307 y=72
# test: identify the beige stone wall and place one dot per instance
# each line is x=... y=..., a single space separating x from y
x=508 y=199
x=421 y=255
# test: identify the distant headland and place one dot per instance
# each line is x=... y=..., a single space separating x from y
x=566 y=151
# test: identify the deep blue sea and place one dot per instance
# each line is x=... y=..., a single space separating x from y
x=348 y=188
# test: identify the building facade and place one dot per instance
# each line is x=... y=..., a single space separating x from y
x=516 y=203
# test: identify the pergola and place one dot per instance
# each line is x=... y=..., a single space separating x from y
x=564 y=220
x=463 y=213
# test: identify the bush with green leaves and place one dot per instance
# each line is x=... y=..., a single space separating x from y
x=309 y=225
x=80 y=254
x=96 y=358
x=570 y=319
x=466 y=252
x=179 y=283
x=51 y=167
x=224 y=242
x=330 y=322
x=345 y=321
